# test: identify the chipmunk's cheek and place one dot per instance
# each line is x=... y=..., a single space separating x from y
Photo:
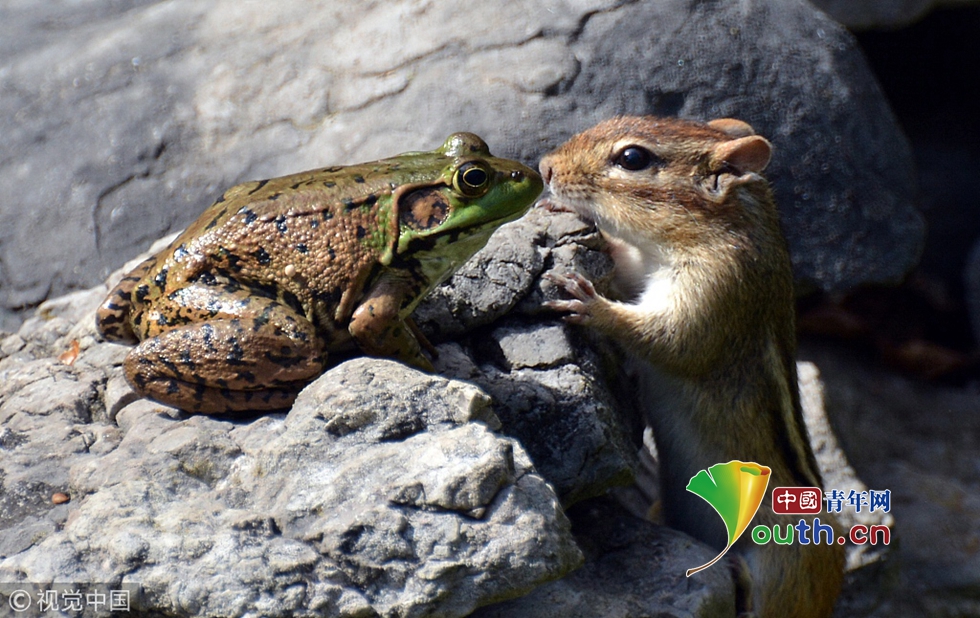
x=585 y=212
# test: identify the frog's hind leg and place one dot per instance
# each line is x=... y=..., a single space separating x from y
x=257 y=358
x=112 y=316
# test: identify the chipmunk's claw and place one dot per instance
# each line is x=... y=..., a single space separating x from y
x=575 y=284
x=577 y=310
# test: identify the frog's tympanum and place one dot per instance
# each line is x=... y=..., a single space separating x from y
x=242 y=309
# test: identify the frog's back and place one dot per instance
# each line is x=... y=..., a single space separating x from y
x=306 y=239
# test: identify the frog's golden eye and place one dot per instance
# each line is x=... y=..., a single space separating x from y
x=471 y=179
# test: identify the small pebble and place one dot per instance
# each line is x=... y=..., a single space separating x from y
x=59 y=498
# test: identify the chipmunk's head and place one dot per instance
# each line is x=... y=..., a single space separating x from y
x=660 y=175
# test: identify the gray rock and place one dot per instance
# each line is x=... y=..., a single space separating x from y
x=836 y=470
x=544 y=377
x=865 y=14
x=489 y=285
x=568 y=422
x=46 y=410
x=137 y=114
x=632 y=568
x=382 y=492
x=506 y=274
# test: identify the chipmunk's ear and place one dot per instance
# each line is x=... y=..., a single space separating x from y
x=746 y=154
x=732 y=127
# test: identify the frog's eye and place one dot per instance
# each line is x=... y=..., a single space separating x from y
x=471 y=179
x=635 y=158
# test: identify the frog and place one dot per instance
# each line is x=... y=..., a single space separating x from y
x=279 y=278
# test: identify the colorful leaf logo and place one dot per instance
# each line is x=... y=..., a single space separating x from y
x=735 y=489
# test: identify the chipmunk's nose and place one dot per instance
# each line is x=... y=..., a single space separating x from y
x=545 y=168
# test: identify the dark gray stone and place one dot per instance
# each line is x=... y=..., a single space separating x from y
x=632 y=568
x=918 y=441
x=545 y=377
x=842 y=169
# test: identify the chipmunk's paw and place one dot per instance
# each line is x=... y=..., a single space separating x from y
x=578 y=310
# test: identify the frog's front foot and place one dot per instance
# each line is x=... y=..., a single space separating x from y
x=379 y=331
x=395 y=339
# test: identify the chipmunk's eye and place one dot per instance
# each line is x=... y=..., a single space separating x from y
x=634 y=158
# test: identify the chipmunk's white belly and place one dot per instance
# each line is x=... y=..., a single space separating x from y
x=643 y=274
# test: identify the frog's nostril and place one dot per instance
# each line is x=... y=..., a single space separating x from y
x=517 y=175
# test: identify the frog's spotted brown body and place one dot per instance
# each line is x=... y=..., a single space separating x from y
x=243 y=308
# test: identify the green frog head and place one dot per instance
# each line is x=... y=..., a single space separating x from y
x=445 y=220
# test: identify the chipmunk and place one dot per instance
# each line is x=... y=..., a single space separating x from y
x=709 y=315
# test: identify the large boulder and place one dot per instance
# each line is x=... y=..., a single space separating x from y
x=123 y=120
x=633 y=568
x=383 y=491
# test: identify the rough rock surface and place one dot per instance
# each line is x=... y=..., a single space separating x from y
x=837 y=472
x=633 y=568
x=378 y=493
x=919 y=441
x=123 y=119
x=383 y=491
x=546 y=378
